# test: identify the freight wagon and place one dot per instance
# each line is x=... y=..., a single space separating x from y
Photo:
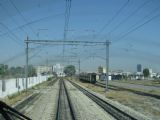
x=88 y=77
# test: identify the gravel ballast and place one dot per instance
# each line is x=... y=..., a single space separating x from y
x=85 y=108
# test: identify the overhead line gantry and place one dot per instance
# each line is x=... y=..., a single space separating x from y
x=68 y=42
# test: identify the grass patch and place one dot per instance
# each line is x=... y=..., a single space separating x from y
x=14 y=98
x=50 y=78
x=141 y=82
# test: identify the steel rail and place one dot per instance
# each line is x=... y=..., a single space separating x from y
x=112 y=110
x=59 y=107
x=69 y=101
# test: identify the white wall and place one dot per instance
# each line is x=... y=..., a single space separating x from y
x=0 y=88
x=14 y=85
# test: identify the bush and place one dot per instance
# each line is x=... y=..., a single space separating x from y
x=50 y=78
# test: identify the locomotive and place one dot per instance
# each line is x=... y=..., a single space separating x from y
x=88 y=77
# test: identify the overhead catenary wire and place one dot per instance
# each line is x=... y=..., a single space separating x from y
x=138 y=26
x=21 y=54
x=8 y=14
x=32 y=22
x=129 y=16
x=35 y=54
x=19 y=12
x=146 y=16
x=17 y=39
x=113 y=18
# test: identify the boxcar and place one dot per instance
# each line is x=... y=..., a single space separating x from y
x=88 y=77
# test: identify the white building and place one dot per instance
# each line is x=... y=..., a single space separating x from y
x=150 y=71
x=43 y=69
x=152 y=74
x=58 y=69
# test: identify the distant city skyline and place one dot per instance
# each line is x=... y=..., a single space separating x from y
x=139 y=68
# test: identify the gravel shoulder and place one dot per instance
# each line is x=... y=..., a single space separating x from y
x=45 y=105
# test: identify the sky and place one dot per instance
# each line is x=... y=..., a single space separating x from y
x=132 y=27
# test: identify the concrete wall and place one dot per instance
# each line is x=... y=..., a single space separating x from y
x=10 y=86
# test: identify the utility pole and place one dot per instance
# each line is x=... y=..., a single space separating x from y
x=47 y=65
x=26 y=67
x=107 y=64
x=79 y=68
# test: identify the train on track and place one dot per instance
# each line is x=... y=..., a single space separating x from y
x=88 y=77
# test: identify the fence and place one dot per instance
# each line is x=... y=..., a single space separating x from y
x=10 y=86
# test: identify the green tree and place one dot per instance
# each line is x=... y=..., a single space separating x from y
x=146 y=72
x=3 y=69
x=100 y=69
x=70 y=70
x=31 y=71
x=20 y=71
x=12 y=71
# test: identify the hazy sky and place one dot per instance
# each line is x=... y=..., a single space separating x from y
x=132 y=26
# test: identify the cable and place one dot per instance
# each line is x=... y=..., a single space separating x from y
x=7 y=13
x=146 y=16
x=112 y=19
x=19 y=12
x=32 y=22
x=137 y=27
x=67 y=16
x=129 y=16
x=18 y=42
x=34 y=55
x=20 y=55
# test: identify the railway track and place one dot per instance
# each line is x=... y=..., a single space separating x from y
x=112 y=110
x=51 y=83
x=64 y=109
x=130 y=90
x=29 y=101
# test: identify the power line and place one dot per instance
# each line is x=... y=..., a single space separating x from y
x=32 y=22
x=113 y=18
x=146 y=16
x=137 y=27
x=129 y=16
x=61 y=42
x=19 y=12
x=134 y=27
x=34 y=55
x=18 y=42
x=20 y=55
x=6 y=11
